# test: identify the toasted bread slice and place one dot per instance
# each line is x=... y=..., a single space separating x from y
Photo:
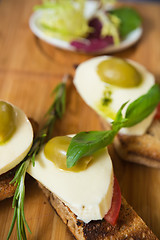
x=144 y=149
x=129 y=226
x=7 y=190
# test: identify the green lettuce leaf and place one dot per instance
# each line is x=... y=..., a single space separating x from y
x=64 y=19
x=130 y=20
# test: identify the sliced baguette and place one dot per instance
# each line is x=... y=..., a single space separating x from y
x=7 y=190
x=129 y=226
x=144 y=149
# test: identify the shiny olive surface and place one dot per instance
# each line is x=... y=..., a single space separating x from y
x=119 y=72
x=56 y=149
x=7 y=121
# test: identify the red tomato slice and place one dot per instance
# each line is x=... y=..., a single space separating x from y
x=157 y=116
x=113 y=213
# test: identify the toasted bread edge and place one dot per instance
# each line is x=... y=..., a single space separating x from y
x=142 y=149
x=129 y=225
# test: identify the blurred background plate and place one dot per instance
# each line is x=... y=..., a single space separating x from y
x=91 y=7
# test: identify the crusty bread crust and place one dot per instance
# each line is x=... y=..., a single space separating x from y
x=144 y=149
x=129 y=226
x=7 y=190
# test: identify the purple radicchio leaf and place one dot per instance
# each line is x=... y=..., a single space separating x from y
x=93 y=42
x=92 y=45
x=96 y=26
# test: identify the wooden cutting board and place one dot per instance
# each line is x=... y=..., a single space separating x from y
x=29 y=70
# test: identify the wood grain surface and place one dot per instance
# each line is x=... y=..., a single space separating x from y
x=29 y=69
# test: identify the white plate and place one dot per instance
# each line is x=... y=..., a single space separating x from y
x=131 y=38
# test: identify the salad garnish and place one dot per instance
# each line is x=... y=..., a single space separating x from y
x=68 y=21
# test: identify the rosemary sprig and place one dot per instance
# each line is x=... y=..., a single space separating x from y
x=55 y=112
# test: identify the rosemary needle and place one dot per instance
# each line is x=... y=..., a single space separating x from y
x=55 y=112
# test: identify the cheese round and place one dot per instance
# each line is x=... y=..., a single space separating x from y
x=87 y=193
x=95 y=92
x=13 y=151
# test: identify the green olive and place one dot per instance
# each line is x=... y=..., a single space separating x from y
x=7 y=121
x=119 y=72
x=56 y=149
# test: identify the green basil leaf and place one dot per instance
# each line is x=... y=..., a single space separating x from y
x=130 y=20
x=143 y=106
x=86 y=143
x=119 y=121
